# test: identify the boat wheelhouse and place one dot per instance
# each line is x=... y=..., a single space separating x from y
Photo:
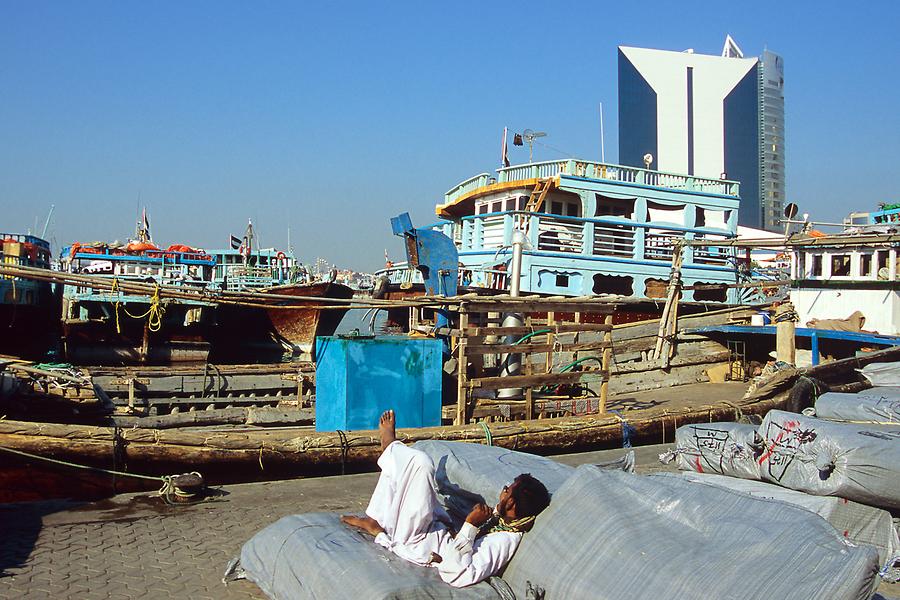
x=835 y=276
x=113 y=326
x=593 y=228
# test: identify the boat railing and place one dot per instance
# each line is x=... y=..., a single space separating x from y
x=464 y=187
x=713 y=255
x=600 y=236
x=597 y=170
x=612 y=239
x=560 y=234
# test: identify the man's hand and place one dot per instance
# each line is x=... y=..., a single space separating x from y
x=479 y=515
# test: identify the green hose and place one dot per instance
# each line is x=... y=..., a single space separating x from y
x=531 y=335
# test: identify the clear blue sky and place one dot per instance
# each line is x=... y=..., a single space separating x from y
x=332 y=117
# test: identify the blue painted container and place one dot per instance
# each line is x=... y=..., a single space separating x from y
x=358 y=378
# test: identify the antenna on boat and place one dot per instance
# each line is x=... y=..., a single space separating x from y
x=529 y=136
x=602 y=146
x=47 y=222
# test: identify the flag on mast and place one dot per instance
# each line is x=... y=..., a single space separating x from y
x=145 y=225
x=504 y=150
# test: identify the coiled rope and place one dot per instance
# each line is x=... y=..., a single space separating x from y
x=154 y=314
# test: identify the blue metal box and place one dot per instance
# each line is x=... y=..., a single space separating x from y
x=359 y=378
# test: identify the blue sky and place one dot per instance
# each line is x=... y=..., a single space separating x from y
x=329 y=118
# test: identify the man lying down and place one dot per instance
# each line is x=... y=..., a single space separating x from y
x=405 y=516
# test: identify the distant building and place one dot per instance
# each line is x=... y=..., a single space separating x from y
x=706 y=116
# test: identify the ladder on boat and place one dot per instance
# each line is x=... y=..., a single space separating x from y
x=535 y=201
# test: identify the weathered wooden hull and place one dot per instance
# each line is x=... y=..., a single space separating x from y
x=300 y=327
x=255 y=334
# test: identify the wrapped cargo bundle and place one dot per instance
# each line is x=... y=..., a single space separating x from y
x=315 y=556
x=469 y=473
x=877 y=405
x=612 y=535
x=723 y=448
x=859 y=523
x=860 y=462
x=882 y=374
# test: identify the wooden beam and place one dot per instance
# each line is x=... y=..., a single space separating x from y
x=514 y=381
x=535 y=348
x=462 y=389
x=607 y=358
x=565 y=328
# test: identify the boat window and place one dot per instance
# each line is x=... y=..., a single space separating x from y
x=510 y=204
x=562 y=281
x=816 y=269
x=663 y=213
x=882 y=257
x=481 y=209
x=573 y=209
x=655 y=288
x=840 y=265
x=865 y=265
x=712 y=218
x=614 y=207
x=613 y=284
x=556 y=208
x=497 y=206
x=522 y=202
x=713 y=293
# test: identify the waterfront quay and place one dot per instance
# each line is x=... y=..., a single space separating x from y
x=135 y=546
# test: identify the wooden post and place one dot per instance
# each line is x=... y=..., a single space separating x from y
x=605 y=365
x=551 y=338
x=785 y=344
x=528 y=367
x=461 y=368
x=145 y=342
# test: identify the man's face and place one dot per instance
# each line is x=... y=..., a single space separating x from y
x=507 y=505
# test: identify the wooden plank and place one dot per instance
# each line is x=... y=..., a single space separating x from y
x=541 y=306
x=462 y=389
x=197 y=384
x=515 y=381
x=607 y=358
x=529 y=370
x=566 y=328
x=478 y=349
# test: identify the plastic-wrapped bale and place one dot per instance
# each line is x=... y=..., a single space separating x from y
x=724 y=448
x=315 y=556
x=877 y=405
x=860 y=462
x=468 y=473
x=884 y=374
x=859 y=523
x=612 y=535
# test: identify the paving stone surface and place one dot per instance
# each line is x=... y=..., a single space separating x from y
x=134 y=546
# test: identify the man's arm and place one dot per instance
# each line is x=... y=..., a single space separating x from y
x=476 y=561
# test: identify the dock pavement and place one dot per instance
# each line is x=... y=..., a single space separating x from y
x=134 y=546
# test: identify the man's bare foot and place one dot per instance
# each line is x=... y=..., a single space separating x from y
x=387 y=427
x=364 y=523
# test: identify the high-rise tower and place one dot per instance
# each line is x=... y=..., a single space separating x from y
x=709 y=116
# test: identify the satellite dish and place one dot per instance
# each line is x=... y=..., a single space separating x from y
x=790 y=210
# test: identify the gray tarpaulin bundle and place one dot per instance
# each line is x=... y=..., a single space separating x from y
x=315 y=557
x=859 y=462
x=724 y=448
x=859 y=523
x=876 y=405
x=882 y=373
x=470 y=473
x=661 y=536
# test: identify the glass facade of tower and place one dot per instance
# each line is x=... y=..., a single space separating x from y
x=772 y=151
